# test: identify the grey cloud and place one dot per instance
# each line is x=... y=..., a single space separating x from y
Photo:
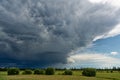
x=46 y=31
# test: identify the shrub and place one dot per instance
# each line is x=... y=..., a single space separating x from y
x=38 y=71
x=13 y=71
x=111 y=71
x=27 y=71
x=68 y=72
x=91 y=72
x=50 y=71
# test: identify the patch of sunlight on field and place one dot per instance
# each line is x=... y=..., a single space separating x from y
x=111 y=76
x=2 y=75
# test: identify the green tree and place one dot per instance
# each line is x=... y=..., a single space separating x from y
x=68 y=72
x=38 y=71
x=27 y=71
x=13 y=71
x=50 y=71
x=91 y=72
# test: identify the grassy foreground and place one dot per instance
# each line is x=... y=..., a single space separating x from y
x=76 y=76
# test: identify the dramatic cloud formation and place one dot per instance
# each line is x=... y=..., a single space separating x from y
x=46 y=31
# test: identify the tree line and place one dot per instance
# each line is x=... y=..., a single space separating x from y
x=48 y=71
x=51 y=71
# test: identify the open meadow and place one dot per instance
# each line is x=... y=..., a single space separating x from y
x=77 y=75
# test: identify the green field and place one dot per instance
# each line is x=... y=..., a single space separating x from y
x=76 y=76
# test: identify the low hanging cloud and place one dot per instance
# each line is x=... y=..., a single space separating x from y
x=98 y=60
x=46 y=31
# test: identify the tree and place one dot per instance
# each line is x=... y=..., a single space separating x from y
x=38 y=71
x=114 y=68
x=68 y=72
x=27 y=71
x=50 y=71
x=118 y=69
x=13 y=71
x=89 y=72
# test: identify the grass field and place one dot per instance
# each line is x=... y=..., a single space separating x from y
x=76 y=76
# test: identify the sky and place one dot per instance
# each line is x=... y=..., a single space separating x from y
x=60 y=33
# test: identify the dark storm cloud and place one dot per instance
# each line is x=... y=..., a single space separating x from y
x=46 y=31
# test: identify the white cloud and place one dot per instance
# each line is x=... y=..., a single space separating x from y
x=114 y=53
x=115 y=3
x=98 y=37
x=98 y=1
x=114 y=32
x=94 y=60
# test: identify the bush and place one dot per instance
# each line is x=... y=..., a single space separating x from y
x=111 y=71
x=68 y=72
x=91 y=72
x=38 y=71
x=50 y=71
x=27 y=71
x=13 y=71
